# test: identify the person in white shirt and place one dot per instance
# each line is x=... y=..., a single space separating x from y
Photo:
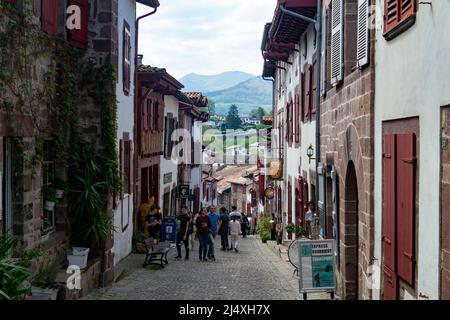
x=235 y=228
x=310 y=218
x=235 y=213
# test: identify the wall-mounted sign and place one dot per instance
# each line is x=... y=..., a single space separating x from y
x=184 y=191
x=316 y=266
x=169 y=229
x=276 y=169
x=167 y=178
x=269 y=193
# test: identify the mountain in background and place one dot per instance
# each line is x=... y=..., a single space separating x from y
x=247 y=95
x=206 y=84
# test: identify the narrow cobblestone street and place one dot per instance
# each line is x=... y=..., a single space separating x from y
x=254 y=273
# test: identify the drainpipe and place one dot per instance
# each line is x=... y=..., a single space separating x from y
x=318 y=25
x=272 y=209
x=136 y=99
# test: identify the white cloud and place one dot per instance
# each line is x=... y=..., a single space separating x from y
x=205 y=36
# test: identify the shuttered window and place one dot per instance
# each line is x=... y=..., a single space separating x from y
x=397 y=11
x=291 y=122
x=303 y=97
x=126 y=58
x=288 y=121
x=323 y=75
x=337 y=41
x=399 y=167
x=49 y=16
x=78 y=34
x=300 y=201
x=363 y=33
x=289 y=201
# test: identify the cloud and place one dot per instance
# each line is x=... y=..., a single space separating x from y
x=205 y=36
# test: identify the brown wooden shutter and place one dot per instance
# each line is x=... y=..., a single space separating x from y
x=305 y=196
x=302 y=97
x=389 y=201
x=406 y=158
x=291 y=122
x=49 y=16
x=79 y=37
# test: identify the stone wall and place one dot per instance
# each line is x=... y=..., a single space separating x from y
x=347 y=136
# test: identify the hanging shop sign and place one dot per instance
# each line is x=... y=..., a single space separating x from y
x=317 y=271
x=269 y=193
x=184 y=191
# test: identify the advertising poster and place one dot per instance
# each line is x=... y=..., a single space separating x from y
x=169 y=229
x=316 y=266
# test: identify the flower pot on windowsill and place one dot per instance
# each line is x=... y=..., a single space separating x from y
x=49 y=205
x=59 y=193
x=43 y=294
x=78 y=257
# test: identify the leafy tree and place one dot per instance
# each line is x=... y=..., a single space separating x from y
x=233 y=121
x=258 y=113
x=211 y=107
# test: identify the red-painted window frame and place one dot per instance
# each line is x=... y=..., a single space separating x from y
x=297 y=118
x=312 y=71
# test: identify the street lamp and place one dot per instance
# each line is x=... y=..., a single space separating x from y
x=310 y=153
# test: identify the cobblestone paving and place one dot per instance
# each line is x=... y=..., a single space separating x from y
x=252 y=274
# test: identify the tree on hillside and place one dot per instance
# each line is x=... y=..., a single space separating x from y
x=211 y=107
x=233 y=121
x=258 y=113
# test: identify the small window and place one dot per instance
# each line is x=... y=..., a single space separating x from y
x=126 y=58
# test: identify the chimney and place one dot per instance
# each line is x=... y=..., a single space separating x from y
x=140 y=57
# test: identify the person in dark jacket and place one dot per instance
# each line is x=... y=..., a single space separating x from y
x=203 y=224
x=224 y=229
x=244 y=225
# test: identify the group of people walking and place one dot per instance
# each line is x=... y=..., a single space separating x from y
x=206 y=226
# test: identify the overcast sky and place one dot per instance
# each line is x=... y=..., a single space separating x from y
x=205 y=36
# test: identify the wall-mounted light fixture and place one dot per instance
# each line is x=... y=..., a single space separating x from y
x=310 y=153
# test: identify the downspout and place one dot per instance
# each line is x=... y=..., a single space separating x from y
x=136 y=100
x=272 y=209
x=318 y=25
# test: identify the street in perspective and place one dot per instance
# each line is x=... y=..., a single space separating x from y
x=211 y=150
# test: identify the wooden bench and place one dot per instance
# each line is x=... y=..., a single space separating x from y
x=156 y=255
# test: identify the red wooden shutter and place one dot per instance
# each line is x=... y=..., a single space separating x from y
x=406 y=158
x=390 y=291
x=79 y=37
x=291 y=122
x=407 y=8
x=289 y=202
x=305 y=197
x=391 y=14
x=297 y=118
x=49 y=16
x=307 y=99
x=300 y=200
x=389 y=200
x=314 y=88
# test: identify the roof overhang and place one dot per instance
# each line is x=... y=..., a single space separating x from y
x=161 y=82
x=149 y=3
x=287 y=29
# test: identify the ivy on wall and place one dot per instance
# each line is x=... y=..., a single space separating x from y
x=44 y=83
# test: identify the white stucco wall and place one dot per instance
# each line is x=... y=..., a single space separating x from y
x=125 y=112
x=296 y=158
x=168 y=165
x=413 y=80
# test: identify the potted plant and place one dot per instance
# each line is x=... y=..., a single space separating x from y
x=60 y=188
x=50 y=199
x=44 y=285
x=290 y=228
x=78 y=256
x=139 y=242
